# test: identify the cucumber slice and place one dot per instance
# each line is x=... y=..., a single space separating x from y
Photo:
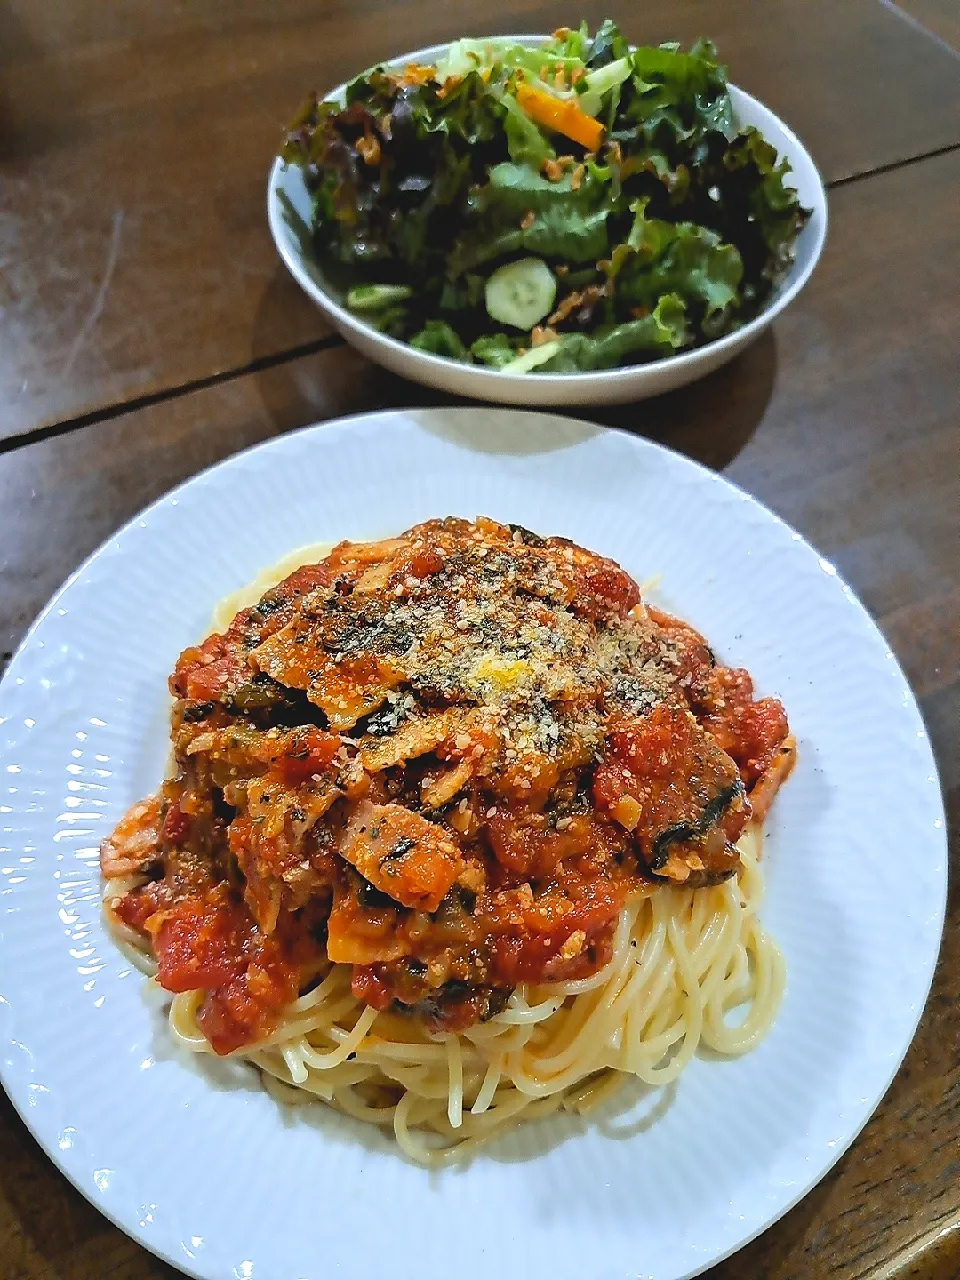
x=521 y=293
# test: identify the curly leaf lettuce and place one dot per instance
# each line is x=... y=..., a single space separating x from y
x=495 y=350
x=772 y=202
x=678 y=97
x=525 y=141
x=440 y=339
x=679 y=258
x=514 y=190
x=661 y=332
x=557 y=231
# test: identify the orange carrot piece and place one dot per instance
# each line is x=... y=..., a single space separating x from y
x=561 y=116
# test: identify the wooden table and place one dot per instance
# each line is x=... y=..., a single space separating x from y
x=148 y=330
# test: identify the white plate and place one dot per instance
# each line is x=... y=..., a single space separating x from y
x=199 y=1164
x=607 y=386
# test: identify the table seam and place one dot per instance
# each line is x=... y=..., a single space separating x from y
x=119 y=407
x=917 y=25
x=331 y=342
x=891 y=166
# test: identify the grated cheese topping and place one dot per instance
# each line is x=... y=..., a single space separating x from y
x=535 y=642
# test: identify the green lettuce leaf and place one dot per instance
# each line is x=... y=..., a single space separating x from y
x=494 y=349
x=440 y=339
x=675 y=98
x=605 y=80
x=367 y=299
x=466 y=55
x=570 y=42
x=525 y=142
x=558 y=231
x=659 y=333
x=568 y=234
x=567 y=222
x=740 y=191
x=533 y=61
x=466 y=111
x=513 y=190
x=607 y=46
x=774 y=205
x=679 y=258
x=464 y=294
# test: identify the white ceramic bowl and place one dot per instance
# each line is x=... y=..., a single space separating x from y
x=607 y=386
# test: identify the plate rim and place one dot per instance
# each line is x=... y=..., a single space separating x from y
x=10 y=1078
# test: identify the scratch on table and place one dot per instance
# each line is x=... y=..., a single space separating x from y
x=96 y=310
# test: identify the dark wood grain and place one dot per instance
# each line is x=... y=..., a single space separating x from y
x=844 y=420
x=135 y=141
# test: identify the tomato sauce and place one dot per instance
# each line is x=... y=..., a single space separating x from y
x=588 y=750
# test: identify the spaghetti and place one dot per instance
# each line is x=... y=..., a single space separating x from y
x=461 y=1011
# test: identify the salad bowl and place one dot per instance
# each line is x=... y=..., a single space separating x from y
x=290 y=212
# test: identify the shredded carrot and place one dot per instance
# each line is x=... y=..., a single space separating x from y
x=414 y=74
x=369 y=147
x=449 y=85
x=560 y=116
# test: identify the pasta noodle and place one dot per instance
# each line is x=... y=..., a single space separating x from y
x=683 y=961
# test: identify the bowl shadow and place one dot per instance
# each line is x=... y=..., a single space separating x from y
x=711 y=420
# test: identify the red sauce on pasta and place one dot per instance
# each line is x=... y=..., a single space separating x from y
x=446 y=760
